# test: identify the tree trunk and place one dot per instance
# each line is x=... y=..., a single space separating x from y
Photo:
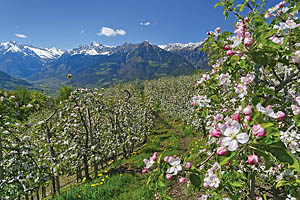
x=26 y=197
x=86 y=167
x=38 y=194
x=92 y=142
x=53 y=185
x=1 y=156
x=44 y=192
x=58 y=184
x=252 y=186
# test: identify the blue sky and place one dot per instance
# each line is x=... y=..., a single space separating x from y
x=68 y=23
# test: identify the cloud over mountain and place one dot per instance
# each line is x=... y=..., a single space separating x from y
x=21 y=35
x=111 y=32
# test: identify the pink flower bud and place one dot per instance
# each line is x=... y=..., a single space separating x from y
x=280 y=115
x=221 y=151
x=188 y=165
x=198 y=109
x=236 y=117
x=295 y=109
x=193 y=103
x=230 y=53
x=268 y=15
x=182 y=180
x=258 y=131
x=218 y=29
x=168 y=177
x=281 y=4
x=248 y=41
x=253 y=159
x=145 y=171
x=205 y=39
x=208 y=33
x=227 y=163
x=174 y=156
x=166 y=159
x=247 y=35
x=269 y=107
x=216 y=133
x=226 y=47
x=248 y=118
x=247 y=110
x=246 y=20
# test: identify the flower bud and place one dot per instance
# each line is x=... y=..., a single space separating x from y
x=218 y=29
x=174 y=156
x=246 y=20
x=280 y=115
x=221 y=151
x=168 y=177
x=230 y=53
x=188 y=165
x=236 y=117
x=258 y=131
x=166 y=159
x=227 y=163
x=269 y=107
x=268 y=15
x=182 y=180
x=216 y=133
x=145 y=171
x=253 y=159
x=248 y=118
x=247 y=110
x=226 y=47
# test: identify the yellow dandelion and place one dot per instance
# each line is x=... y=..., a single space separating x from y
x=100 y=174
x=105 y=171
x=83 y=180
x=93 y=185
x=102 y=179
x=101 y=183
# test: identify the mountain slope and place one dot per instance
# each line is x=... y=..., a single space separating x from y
x=9 y=83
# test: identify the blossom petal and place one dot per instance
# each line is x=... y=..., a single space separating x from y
x=242 y=138
x=226 y=141
x=179 y=168
x=171 y=170
x=228 y=131
x=233 y=145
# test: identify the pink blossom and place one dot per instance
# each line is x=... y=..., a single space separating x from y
x=166 y=159
x=154 y=157
x=216 y=133
x=269 y=107
x=208 y=33
x=236 y=117
x=247 y=110
x=280 y=115
x=248 y=118
x=248 y=41
x=182 y=180
x=218 y=29
x=281 y=4
x=246 y=19
x=174 y=156
x=230 y=53
x=144 y=171
x=221 y=151
x=253 y=159
x=258 y=131
x=188 y=165
x=227 y=163
x=168 y=177
x=295 y=109
x=268 y=15
x=226 y=47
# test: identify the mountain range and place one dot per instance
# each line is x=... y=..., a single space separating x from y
x=98 y=65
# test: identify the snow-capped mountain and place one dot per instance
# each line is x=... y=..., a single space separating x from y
x=27 y=50
x=179 y=46
x=93 y=49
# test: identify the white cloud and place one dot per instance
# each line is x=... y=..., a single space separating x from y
x=21 y=35
x=145 y=23
x=111 y=32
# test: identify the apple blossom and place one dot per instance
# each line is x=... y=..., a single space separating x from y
x=230 y=53
x=188 y=165
x=247 y=110
x=236 y=116
x=253 y=159
x=295 y=109
x=221 y=151
x=233 y=137
x=176 y=167
x=258 y=131
x=144 y=171
x=182 y=180
x=280 y=115
x=166 y=159
x=168 y=177
x=216 y=133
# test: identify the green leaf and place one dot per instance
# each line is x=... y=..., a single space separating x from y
x=226 y=159
x=195 y=180
x=266 y=125
x=260 y=58
x=236 y=184
x=281 y=183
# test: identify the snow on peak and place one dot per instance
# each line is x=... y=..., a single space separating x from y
x=179 y=46
x=52 y=53
x=93 y=49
